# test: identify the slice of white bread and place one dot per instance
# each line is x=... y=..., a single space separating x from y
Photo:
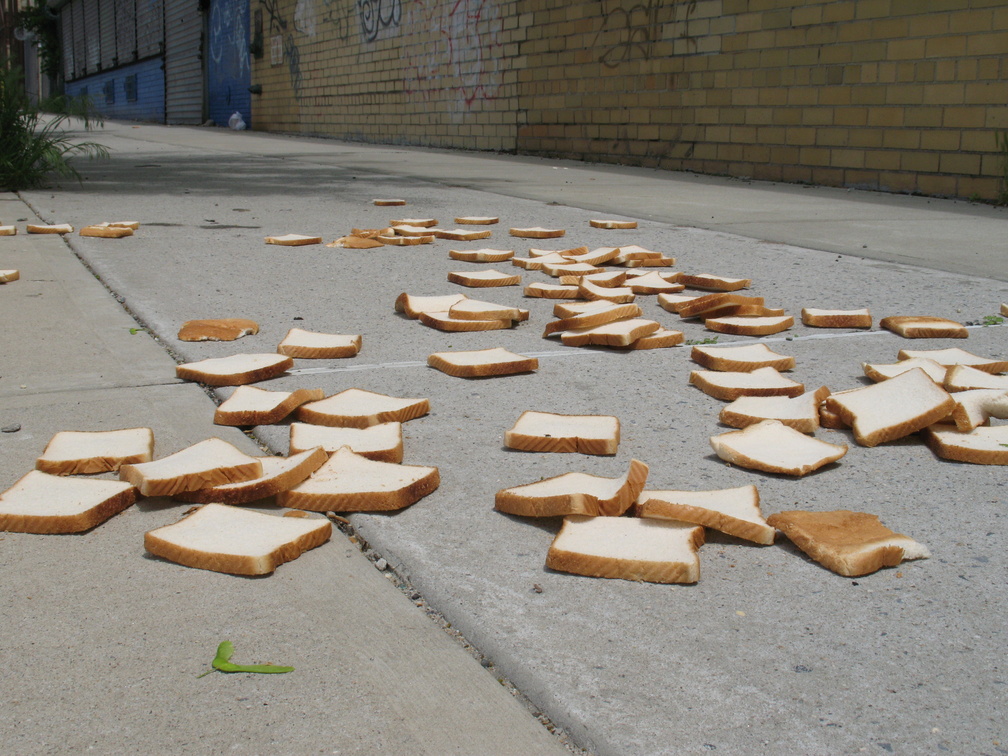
x=608 y=278
x=574 y=493
x=598 y=256
x=483 y=279
x=9 y=275
x=653 y=283
x=44 y=503
x=481 y=255
x=474 y=309
x=356 y=408
x=56 y=228
x=461 y=234
x=397 y=240
x=388 y=202
x=569 y=269
x=89 y=452
x=800 y=412
x=965 y=377
x=878 y=372
x=412 y=306
x=718 y=283
x=208 y=463
x=420 y=222
x=660 y=339
x=735 y=511
x=924 y=327
x=550 y=432
x=551 y=291
x=619 y=294
x=634 y=253
x=477 y=220
x=310 y=345
x=956 y=356
x=892 y=409
x=536 y=262
x=105 y=231
x=713 y=305
x=622 y=333
x=819 y=318
x=355 y=242
x=571 y=253
x=976 y=407
x=278 y=474
x=594 y=313
x=675 y=302
x=848 y=543
x=349 y=482
x=744 y=358
x=293 y=240
x=611 y=224
x=217 y=329
x=382 y=442
x=236 y=541
x=404 y=229
x=236 y=370
x=442 y=321
x=984 y=445
x=482 y=363
x=627 y=548
x=8 y=230
x=730 y=385
x=249 y=405
x=537 y=232
x=773 y=447
x=758 y=325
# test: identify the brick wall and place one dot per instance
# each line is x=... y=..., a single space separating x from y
x=900 y=95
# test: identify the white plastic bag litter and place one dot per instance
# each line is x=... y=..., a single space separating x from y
x=236 y=122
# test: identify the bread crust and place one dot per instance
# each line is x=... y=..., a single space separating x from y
x=667 y=508
x=481 y=255
x=567 y=434
x=302 y=465
x=317 y=434
x=217 y=329
x=817 y=318
x=41 y=228
x=492 y=368
x=99 y=462
x=757 y=447
x=197 y=371
x=106 y=232
x=162 y=478
x=757 y=325
x=348 y=346
x=718 y=283
x=516 y=502
x=293 y=240
x=924 y=327
x=537 y=232
x=612 y=224
x=984 y=445
x=293 y=400
x=477 y=281
x=551 y=291
x=848 y=543
x=713 y=305
x=739 y=417
x=726 y=359
x=412 y=409
x=730 y=385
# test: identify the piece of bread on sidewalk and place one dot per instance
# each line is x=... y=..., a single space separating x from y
x=55 y=228
x=771 y=446
x=593 y=313
x=399 y=240
x=477 y=220
x=413 y=306
x=44 y=503
x=609 y=278
x=965 y=377
x=663 y=338
x=675 y=302
x=208 y=463
x=551 y=291
x=717 y=283
x=924 y=327
x=618 y=294
x=598 y=256
x=819 y=318
x=622 y=333
x=574 y=493
x=249 y=405
x=879 y=373
x=611 y=224
x=759 y=325
x=388 y=202
x=634 y=255
x=953 y=356
x=350 y=482
x=442 y=321
x=800 y=412
x=568 y=269
x=236 y=370
x=482 y=363
x=627 y=548
x=730 y=385
x=744 y=358
x=293 y=240
x=382 y=442
x=551 y=432
x=217 y=329
x=984 y=445
x=537 y=232
x=91 y=452
x=461 y=234
x=721 y=303
x=892 y=409
x=310 y=345
x=278 y=474
x=105 y=231
x=8 y=230
x=975 y=407
x=356 y=408
x=848 y=543
x=236 y=541
x=9 y=275
x=355 y=242
x=735 y=511
x=481 y=255
x=474 y=309
x=418 y=222
x=483 y=278
x=653 y=283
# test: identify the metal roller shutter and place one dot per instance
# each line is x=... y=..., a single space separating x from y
x=106 y=25
x=79 y=39
x=183 y=62
x=66 y=29
x=92 y=36
x=125 y=30
x=150 y=27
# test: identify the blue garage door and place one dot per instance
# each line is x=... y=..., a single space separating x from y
x=229 y=72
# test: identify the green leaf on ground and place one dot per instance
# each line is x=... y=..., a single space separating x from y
x=222 y=663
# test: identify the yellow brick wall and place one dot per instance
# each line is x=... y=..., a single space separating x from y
x=898 y=95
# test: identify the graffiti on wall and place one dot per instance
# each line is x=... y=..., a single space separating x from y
x=378 y=15
x=462 y=61
x=630 y=32
x=229 y=39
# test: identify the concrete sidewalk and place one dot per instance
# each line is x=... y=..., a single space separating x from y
x=767 y=653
